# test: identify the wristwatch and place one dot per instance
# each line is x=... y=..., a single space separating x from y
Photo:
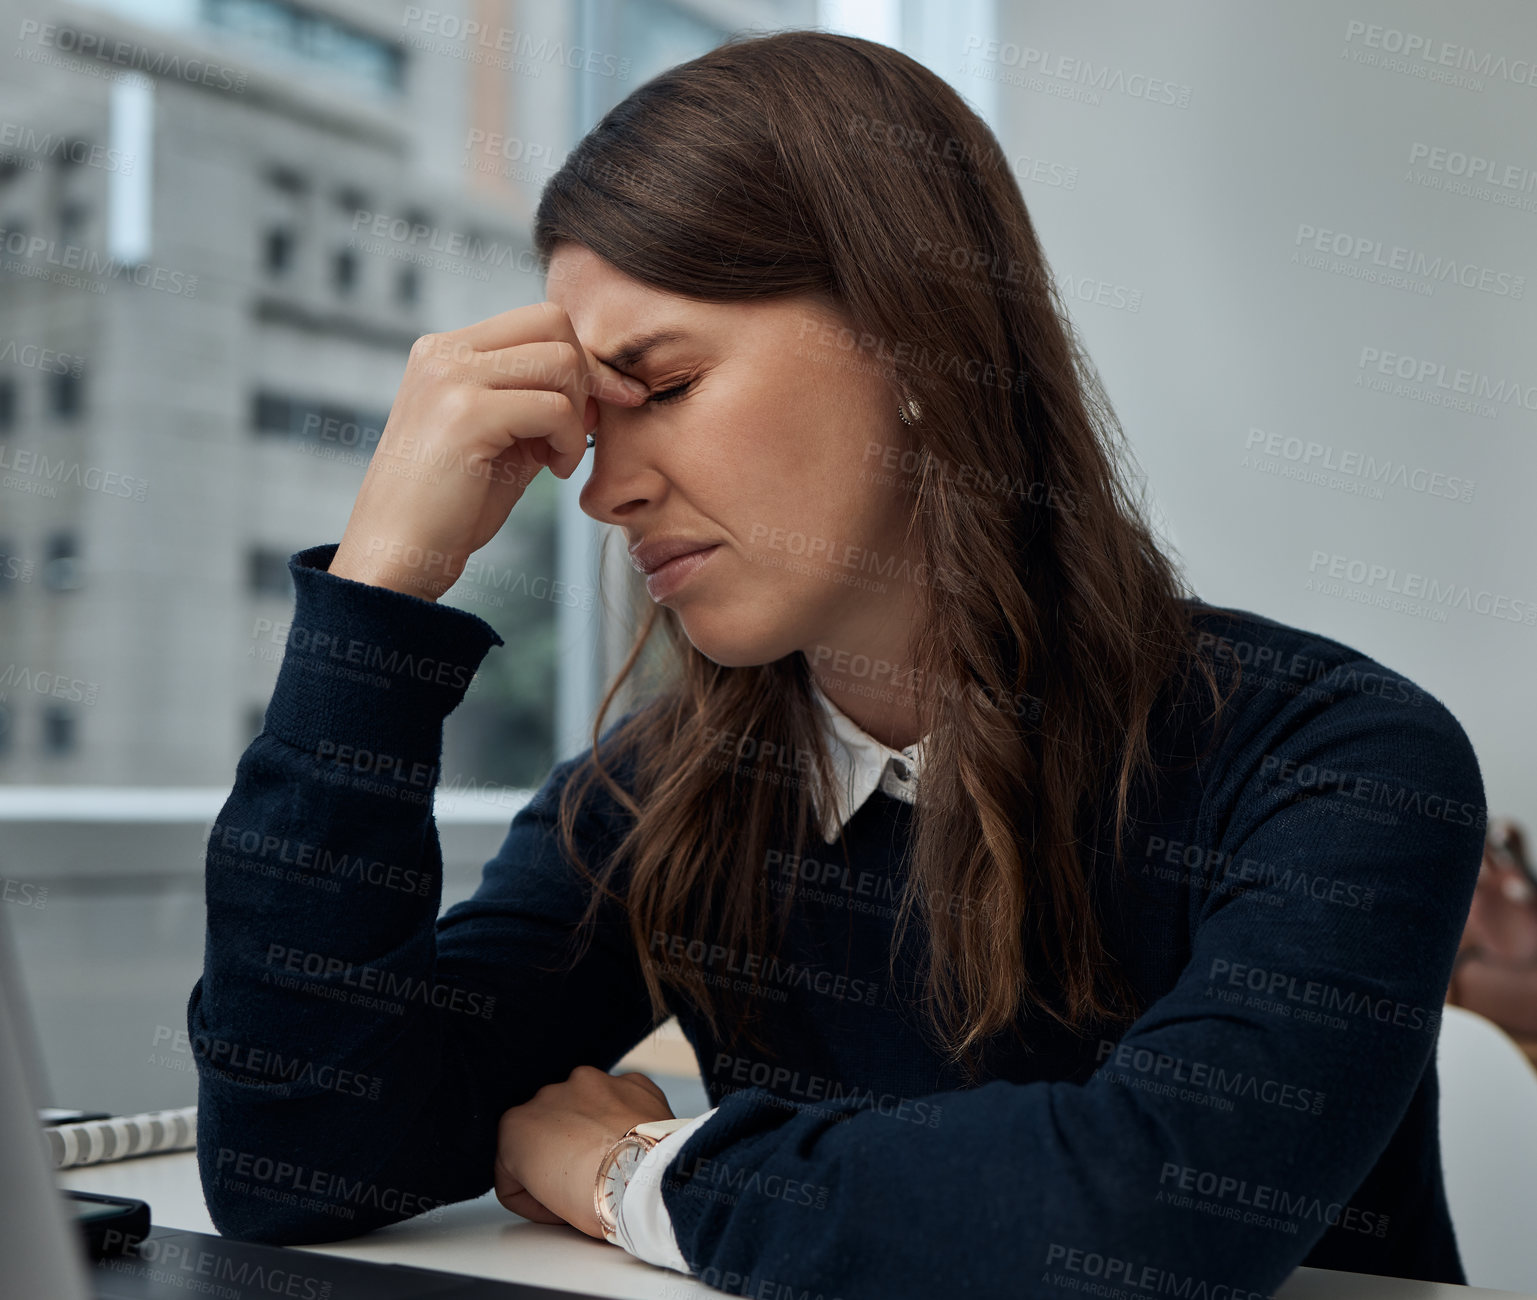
x=619 y=1164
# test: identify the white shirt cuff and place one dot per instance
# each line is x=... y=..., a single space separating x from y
x=644 y=1227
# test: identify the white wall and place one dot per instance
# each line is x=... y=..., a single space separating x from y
x=1197 y=208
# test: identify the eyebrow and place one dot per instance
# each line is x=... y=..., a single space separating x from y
x=633 y=350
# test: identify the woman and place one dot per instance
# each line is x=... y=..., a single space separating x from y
x=1035 y=924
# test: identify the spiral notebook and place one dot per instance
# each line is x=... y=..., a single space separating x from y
x=91 y=1142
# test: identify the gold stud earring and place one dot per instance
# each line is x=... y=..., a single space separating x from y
x=909 y=412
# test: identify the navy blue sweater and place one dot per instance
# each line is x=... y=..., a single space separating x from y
x=1296 y=884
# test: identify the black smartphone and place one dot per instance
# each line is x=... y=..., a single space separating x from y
x=111 y=1224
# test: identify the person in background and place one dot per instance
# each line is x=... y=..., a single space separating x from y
x=1496 y=971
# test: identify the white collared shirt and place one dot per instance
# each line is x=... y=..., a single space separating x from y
x=865 y=765
x=862 y=765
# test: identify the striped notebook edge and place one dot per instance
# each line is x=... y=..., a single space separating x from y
x=97 y=1141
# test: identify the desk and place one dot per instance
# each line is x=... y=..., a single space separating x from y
x=481 y=1238
x=478 y=1237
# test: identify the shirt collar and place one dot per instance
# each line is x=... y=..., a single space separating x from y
x=862 y=765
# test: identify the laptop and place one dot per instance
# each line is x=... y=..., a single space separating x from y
x=43 y=1253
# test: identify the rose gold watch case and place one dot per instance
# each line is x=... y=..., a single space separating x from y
x=644 y=1136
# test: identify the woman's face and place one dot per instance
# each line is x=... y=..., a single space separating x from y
x=775 y=449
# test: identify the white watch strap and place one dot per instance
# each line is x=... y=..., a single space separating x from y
x=660 y=1128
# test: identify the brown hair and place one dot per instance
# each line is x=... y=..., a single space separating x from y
x=802 y=162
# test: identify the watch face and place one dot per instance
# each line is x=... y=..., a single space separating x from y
x=618 y=1174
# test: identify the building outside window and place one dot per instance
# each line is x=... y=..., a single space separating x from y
x=284 y=203
x=313 y=41
x=66 y=397
x=251 y=409
x=61 y=564
x=267 y=572
x=60 y=729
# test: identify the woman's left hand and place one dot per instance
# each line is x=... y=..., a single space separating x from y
x=548 y=1149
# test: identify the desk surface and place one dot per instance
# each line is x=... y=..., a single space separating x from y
x=482 y=1238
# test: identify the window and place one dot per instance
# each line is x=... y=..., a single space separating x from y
x=286 y=179
x=284 y=196
x=65 y=395
x=267 y=572
x=351 y=207
x=407 y=287
x=308 y=377
x=61 y=567
x=316 y=39
x=648 y=35
x=58 y=730
x=344 y=271
x=278 y=250
x=72 y=217
x=271 y=414
x=351 y=200
x=300 y=418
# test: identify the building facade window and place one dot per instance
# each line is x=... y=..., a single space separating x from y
x=284 y=200
x=267 y=572
x=344 y=272
x=407 y=287
x=60 y=730
x=351 y=207
x=9 y=403
x=309 y=420
x=72 y=221
x=316 y=39
x=61 y=564
x=277 y=250
x=66 y=395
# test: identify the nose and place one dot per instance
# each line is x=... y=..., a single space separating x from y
x=622 y=478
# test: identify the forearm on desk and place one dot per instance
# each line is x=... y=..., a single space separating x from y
x=343 y=773
x=409 y=1038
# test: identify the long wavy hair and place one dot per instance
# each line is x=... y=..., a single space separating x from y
x=803 y=162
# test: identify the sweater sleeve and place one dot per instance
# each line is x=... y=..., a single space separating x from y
x=355 y=1051
x=1126 y=1180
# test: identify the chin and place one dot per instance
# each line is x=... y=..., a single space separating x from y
x=724 y=637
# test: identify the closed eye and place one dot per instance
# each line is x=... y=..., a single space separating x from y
x=671 y=394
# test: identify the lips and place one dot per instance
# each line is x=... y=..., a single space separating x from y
x=649 y=556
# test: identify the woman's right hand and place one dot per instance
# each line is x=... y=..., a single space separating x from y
x=478 y=413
